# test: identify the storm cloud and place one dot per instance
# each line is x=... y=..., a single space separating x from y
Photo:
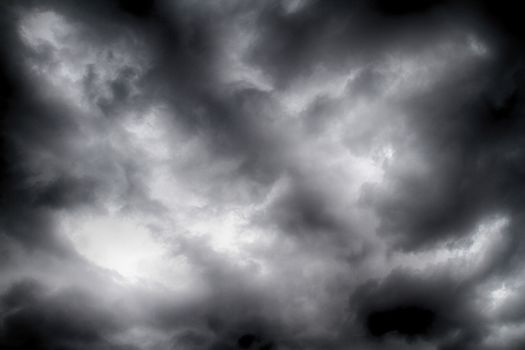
x=295 y=174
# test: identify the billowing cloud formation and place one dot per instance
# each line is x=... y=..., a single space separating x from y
x=261 y=175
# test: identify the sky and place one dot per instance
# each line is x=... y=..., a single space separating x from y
x=263 y=175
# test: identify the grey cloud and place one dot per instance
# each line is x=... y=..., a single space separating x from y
x=474 y=169
x=153 y=199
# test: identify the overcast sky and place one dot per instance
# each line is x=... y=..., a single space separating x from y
x=263 y=175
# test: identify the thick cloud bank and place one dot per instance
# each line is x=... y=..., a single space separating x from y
x=263 y=175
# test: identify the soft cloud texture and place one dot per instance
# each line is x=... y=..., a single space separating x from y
x=261 y=175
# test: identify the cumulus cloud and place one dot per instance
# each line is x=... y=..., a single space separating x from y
x=298 y=174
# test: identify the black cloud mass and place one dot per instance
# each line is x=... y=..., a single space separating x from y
x=263 y=175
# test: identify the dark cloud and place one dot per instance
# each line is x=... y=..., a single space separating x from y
x=36 y=319
x=139 y=8
x=418 y=307
x=261 y=175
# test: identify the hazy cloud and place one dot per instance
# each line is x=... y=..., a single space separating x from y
x=261 y=175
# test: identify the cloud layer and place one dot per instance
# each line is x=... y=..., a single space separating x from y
x=261 y=175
